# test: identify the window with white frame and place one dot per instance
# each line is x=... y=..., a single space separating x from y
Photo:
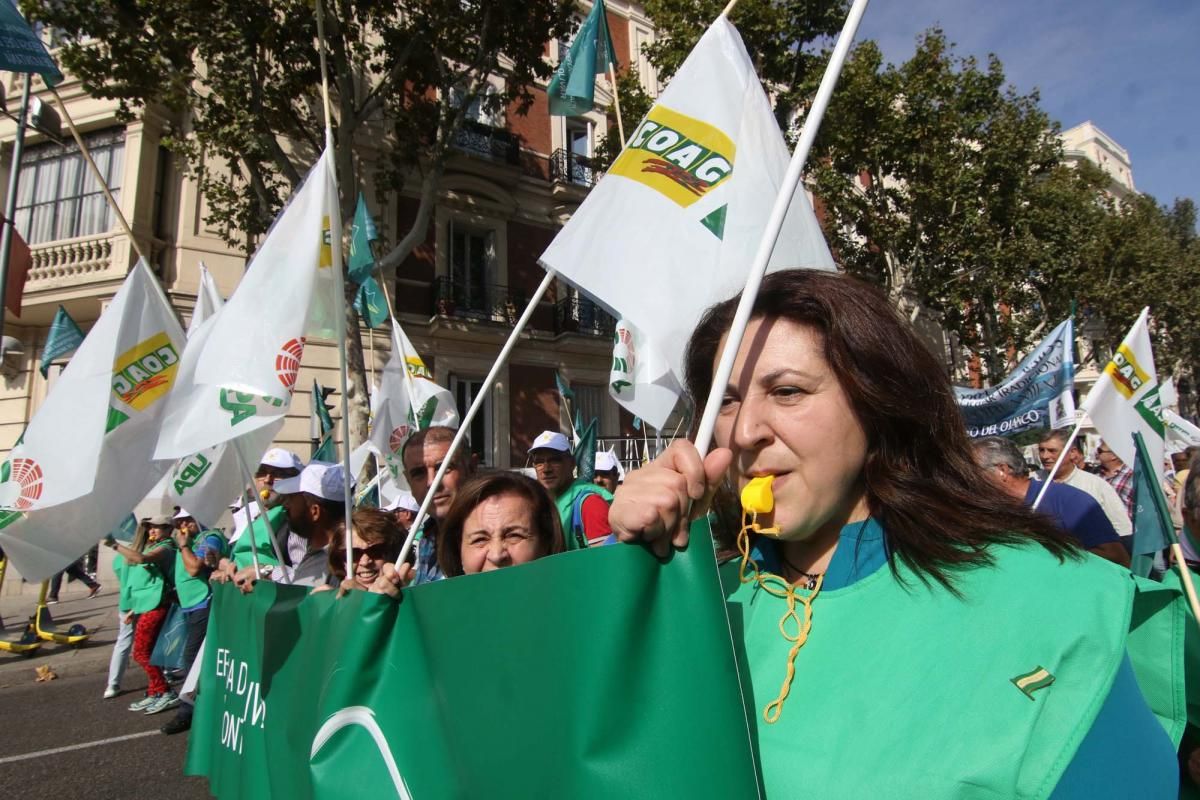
x=485 y=108
x=479 y=435
x=471 y=258
x=59 y=198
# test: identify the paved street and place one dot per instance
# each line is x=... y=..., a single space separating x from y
x=69 y=713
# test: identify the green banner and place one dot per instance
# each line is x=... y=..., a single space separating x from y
x=490 y=686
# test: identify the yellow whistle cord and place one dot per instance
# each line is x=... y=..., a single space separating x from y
x=749 y=571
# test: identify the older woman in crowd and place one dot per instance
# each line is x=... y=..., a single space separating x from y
x=908 y=629
x=376 y=540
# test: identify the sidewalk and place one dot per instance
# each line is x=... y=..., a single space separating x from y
x=98 y=614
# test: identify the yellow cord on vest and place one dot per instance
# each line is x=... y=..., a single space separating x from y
x=756 y=499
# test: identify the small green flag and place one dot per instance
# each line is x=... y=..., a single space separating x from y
x=563 y=387
x=326 y=447
x=585 y=452
x=370 y=303
x=361 y=262
x=572 y=90
x=1153 y=530
x=20 y=48
x=64 y=335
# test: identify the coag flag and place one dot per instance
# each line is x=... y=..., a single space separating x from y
x=86 y=456
x=1125 y=399
x=572 y=90
x=64 y=336
x=21 y=50
x=203 y=482
x=384 y=713
x=407 y=399
x=248 y=355
x=1153 y=530
x=674 y=225
x=1036 y=395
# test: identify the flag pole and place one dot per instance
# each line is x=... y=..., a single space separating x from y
x=262 y=512
x=1185 y=575
x=1057 y=463
x=774 y=225
x=612 y=77
x=87 y=156
x=476 y=404
x=339 y=290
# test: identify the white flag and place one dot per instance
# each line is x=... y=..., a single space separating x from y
x=208 y=301
x=241 y=366
x=674 y=225
x=407 y=399
x=137 y=344
x=1126 y=398
x=641 y=380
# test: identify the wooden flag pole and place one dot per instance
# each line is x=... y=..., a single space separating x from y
x=783 y=201
x=87 y=156
x=1185 y=575
x=612 y=77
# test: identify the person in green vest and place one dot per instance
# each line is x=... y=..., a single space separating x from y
x=907 y=629
x=197 y=549
x=124 y=643
x=149 y=573
x=582 y=505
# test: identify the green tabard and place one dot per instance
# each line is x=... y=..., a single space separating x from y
x=147 y=582
x=193 y=590
x=242 y=555
x=928 y=683
x=565 y=503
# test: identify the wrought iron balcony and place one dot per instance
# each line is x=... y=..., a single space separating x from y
x=486 y=301
x=575 y=314
x=496 y=144
x=568 y=167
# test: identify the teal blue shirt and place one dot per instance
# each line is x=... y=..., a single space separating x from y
x=1125 y=754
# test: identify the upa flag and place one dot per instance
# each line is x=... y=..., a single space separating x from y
x=407 y=399
x=1153 y=530
x=64 y=337
x=384 y=714
x=572 y=90
x=247 y=356
x=205 y=481
x=1125 y=399
x=1035 y=395
x=86 y=457
x=674 y=225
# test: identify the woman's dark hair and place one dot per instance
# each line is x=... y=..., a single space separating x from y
x=937 y=507
x=373 y=527
x=546 y=524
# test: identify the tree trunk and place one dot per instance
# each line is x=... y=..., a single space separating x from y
x=357 y=402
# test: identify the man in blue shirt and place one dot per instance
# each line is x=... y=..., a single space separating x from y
x=1076 y=511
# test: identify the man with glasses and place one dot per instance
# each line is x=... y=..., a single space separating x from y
x=582 y=505
x=1118 y=475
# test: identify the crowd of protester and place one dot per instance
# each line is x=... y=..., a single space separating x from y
x=834 y=399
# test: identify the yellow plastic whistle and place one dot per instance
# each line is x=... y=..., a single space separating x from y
x=757 y=497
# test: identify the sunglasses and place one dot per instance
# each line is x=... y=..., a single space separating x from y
x=375 y=552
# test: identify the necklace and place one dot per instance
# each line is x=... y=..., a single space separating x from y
x=810 y=578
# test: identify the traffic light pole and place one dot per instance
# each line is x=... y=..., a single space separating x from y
x=10 y=202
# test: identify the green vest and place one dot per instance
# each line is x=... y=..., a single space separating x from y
x=124 y=595
x=148 y=582
x=904 y=690
x=573 y=531
x=192 y=590
x=242 y=555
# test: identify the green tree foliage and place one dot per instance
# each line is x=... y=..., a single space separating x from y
x=241 y=80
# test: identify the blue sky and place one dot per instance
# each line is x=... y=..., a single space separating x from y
x=1132 y=68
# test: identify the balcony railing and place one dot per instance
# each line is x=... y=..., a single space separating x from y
x=580 y=315
x=486 y=301
x=496 y=144
x=568 y=167
x=71 y=258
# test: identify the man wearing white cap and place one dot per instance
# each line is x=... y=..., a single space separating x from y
x=197 y=550
x=278 y=464
x=582 y=506
x=403 y=509
x=608 y=471
x=314 y=502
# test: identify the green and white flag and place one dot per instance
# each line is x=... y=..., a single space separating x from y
x=86 y=457
x=674 y=225
x=64 y=336
x=361 y=261
x=370 y=303
x=1125 y=399
x=20 y=48
x=585 y=451
x=572 y=90
x=1153 y=530
x=306 y=695
x=407 y=399
x=322 y=422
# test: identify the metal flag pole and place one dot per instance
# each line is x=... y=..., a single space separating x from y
x=783 y=201
x=339 y=289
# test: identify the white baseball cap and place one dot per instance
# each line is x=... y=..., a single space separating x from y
x=551 y=440
x=320 y=479
x=403 y=502
x=605 y=461
x=281 y=459
x=183 y=514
